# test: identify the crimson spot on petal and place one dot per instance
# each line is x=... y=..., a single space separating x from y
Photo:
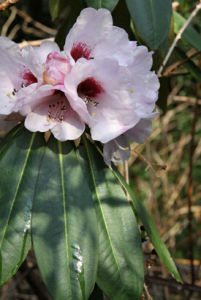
x=89 y=87
x=28 y=78
x=80 y=50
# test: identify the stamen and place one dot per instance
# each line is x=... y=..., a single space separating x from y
x=57 y=111
x=88 y=90
x=14 y=92
x=87 y=100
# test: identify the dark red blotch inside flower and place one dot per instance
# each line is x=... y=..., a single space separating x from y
x=89 y=87
x=80 y=50
x=29 y=78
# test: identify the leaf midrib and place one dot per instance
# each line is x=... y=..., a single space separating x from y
x=99 y=201
x=65 y=214
x=18 y=186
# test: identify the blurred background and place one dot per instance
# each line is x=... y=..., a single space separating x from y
x=165 y=172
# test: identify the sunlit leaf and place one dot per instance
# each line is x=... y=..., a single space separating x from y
x=121 y=267
x=65 y=235
x=20 y=156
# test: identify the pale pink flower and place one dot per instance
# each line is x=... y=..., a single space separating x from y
x=144 y=94
x=101 y=79
x=47 y=108
x=94 y=36
x=54 y=113
x=12 y=75
x=111 y=98
x=100 y=92
x=114 y=101
x=55 y=69
x=20 y=71
x=34 y=82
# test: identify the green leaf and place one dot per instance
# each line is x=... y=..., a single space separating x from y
x=20 y=156
x=190 y=34
x=166 y=44
x=109 y=4
x=189 y=64
x=56 y=6
x=152 y=19
x=151 y=230
x=121 y=267
x=64 y=225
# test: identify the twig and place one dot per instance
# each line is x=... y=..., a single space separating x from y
x=178 y=37
x=149 y=297
x=189 y=100
x=13 y=32
x=7 y=4
x=37 y=24
x=173 y=67
x=9 y=21
x=33 y=43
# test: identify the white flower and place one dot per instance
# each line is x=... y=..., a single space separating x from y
x=32 y=84
x=94 y=36
x=99 y=91
x=54 y=113
x=100 y=79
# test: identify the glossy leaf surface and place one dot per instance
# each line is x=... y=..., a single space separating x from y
x=152 y=19
x=65 y=236
x=121 y=266
x=20 y=156
x=151 y=230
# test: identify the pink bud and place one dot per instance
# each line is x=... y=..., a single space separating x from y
x=56 y=68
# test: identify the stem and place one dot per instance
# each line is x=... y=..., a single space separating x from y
x=126 y=176
x=178 y=37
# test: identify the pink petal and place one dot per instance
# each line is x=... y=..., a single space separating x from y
x=140 y=131
x=54 y=113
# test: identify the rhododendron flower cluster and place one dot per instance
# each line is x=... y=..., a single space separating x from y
x=101 y=80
